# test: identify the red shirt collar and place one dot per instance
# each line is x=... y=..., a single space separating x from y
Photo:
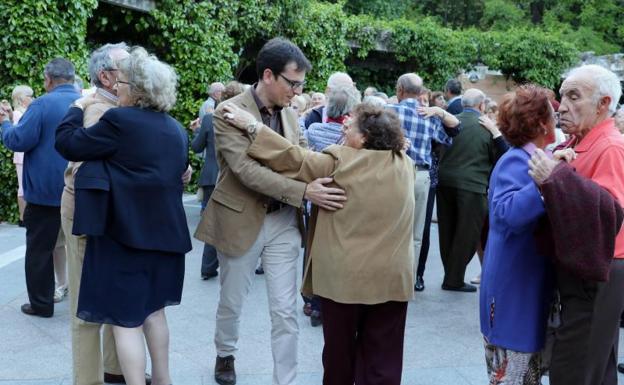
x=601 y=129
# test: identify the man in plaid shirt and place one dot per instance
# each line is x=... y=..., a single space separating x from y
x=421 y=125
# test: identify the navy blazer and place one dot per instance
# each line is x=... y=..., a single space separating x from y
x=455 y=107
x=130 y=187
x=204 y=140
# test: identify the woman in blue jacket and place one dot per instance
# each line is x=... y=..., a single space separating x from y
x=128 y=199
x=517 y=281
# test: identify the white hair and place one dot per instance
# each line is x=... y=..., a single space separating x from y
x=216 y=87
x=339 y=79
x=18 y=95
x=342 y=100
x=101 y=60
x=606 y=82
x=472 y=97
x=374 y=100
x=152 y=82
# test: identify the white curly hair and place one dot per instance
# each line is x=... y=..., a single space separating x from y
x=152 y=82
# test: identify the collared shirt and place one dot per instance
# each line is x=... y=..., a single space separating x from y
x=420 y=131
x=110 y=97
x=273 y=120
x=600 y=157
x=269 y=119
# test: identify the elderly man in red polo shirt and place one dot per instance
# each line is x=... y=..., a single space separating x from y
x=586 y=344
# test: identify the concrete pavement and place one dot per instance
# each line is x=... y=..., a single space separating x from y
x=442 y=340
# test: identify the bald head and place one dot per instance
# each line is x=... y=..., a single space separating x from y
x=473 y=98
x=339 y=79
x=409 y=86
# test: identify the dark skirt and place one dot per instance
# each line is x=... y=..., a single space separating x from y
x=122 y=286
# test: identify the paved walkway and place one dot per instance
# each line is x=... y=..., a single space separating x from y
x=442 y=340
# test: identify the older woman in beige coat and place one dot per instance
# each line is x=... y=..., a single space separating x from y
x=361 y=257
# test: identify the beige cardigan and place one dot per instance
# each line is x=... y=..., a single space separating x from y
x=363 y=253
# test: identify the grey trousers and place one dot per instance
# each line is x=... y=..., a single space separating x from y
x=278 y=244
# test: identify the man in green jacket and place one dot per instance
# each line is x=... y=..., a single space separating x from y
x=462 y=190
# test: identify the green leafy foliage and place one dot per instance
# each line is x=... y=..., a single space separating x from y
x=375 y=41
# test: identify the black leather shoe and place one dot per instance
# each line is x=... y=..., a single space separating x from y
x=27 y=309
x=420 y=284
x=259 y=270
x=224 y=371
x=621 y=368
x=211 y=274
x=110 y=378
x=466 y=288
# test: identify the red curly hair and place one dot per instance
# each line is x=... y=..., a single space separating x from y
x=521 y=113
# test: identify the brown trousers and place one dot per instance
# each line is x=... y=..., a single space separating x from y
x=363 y=343
x=93 y=346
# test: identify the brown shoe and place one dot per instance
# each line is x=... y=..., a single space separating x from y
x=224 y=371
x=110 y=378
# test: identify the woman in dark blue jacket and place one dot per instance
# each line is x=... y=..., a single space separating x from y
x=129 y=204
x=517 y=281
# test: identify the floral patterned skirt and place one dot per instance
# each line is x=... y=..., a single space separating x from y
x=508 y=367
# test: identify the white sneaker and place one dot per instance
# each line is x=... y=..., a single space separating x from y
x=60 y=293
x=476 y=280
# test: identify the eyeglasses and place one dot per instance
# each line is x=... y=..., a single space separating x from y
x=122 y=82
x=292 y=83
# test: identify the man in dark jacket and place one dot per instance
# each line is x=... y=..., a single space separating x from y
x=462 y=191
x=453 y=91
x=204 y=141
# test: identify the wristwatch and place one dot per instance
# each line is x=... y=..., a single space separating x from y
x=252 y=128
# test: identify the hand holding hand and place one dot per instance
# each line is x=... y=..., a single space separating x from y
x=236 y=116
x=541 y=166
x=567 y=154
x=328 y=198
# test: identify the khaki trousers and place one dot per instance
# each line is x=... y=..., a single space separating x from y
x=89 y=364
x=421 y=194
x=279 y=244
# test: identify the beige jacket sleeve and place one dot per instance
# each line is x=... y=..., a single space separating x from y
x=288 y=159
x=232 y=145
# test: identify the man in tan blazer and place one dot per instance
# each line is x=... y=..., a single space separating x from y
x=252 y=213
x=91 y=367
